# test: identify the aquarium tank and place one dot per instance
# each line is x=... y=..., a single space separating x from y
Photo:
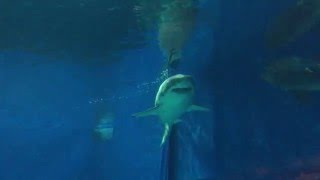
x=159 y=90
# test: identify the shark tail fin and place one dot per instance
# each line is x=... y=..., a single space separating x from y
x=149 y=112
x=165 y=134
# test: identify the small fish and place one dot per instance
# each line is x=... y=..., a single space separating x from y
x=173 y=60
x=104 y=128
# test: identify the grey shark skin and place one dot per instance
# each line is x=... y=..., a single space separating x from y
x=174 y=98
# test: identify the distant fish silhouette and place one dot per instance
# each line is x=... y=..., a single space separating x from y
x=176 y=24
x=293 y=74
x=173 y=61
x=104 y=128
x=293 y=23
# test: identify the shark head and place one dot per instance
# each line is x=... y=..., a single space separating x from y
x=178 y=84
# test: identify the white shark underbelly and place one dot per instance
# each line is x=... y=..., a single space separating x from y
x=173 y=107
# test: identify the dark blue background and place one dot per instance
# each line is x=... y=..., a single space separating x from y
x=49 y=108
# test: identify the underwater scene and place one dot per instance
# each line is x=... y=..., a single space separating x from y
x=159 y=90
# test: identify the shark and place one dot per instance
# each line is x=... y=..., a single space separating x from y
x=297 y=75
x=173 y=99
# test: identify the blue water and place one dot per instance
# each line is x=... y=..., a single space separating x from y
x=50 y=98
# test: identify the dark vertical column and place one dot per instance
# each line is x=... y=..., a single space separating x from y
x=164 y=162
x=169 y=161
x=173 y=154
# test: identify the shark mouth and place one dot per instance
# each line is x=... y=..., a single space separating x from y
x=182 y=90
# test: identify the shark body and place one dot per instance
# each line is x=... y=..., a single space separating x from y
x=294 y=74
x=298 y=76
x=173 y=99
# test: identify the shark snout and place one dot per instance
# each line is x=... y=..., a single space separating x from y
x=187 y=78
x=188 y=81
x=186 y=85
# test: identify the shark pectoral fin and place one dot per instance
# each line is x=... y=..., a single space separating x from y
x=165 y=134
x=197 y=108
x=149 y=112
